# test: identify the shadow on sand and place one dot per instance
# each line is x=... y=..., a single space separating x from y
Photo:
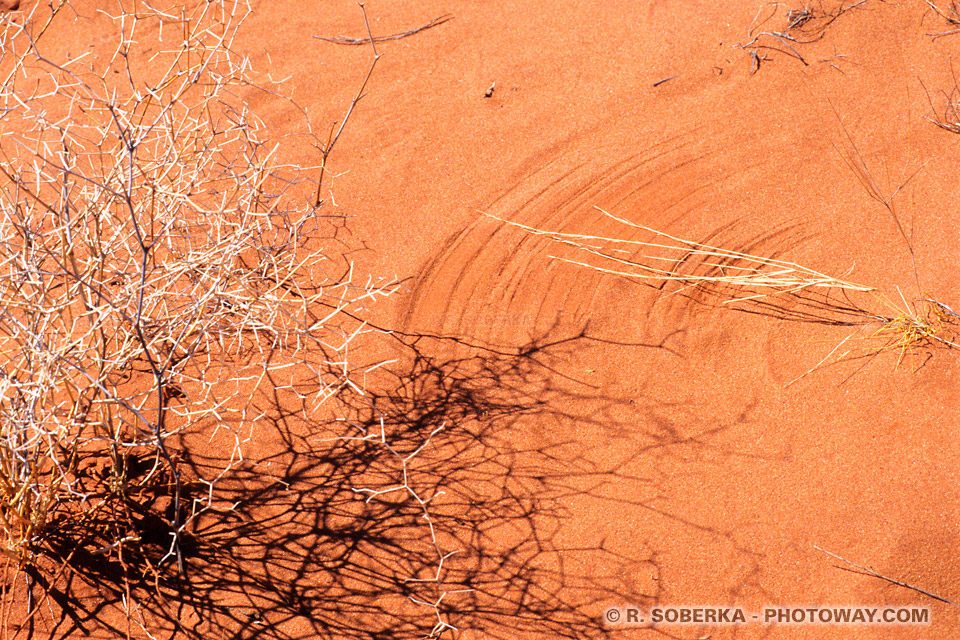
x=422 y=508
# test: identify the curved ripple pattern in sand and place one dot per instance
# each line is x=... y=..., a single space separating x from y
x=497 y=285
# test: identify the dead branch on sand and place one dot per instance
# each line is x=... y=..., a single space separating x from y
x=436 y=22
x=870 y=571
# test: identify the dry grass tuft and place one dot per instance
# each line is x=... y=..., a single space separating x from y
x=769 y=286
x=912 y=328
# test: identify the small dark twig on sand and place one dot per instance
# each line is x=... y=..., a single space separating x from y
x=334 y=136
x=873 y=573
x=436 y=22
x=660 y=82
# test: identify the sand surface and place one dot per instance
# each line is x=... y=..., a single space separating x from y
x=604 y=444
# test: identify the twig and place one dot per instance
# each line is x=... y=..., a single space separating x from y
x=436 y=22
x=404 y=484
x=810 y=26
x=951 y=15
x=325 y=154
x=873 y=573
x=949 y=119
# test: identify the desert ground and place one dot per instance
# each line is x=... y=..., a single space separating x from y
x=535 y=435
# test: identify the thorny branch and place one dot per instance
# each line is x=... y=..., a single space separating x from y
x=408 y=488
x=156 y=264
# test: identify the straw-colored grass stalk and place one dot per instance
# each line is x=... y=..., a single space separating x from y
x=759 y=284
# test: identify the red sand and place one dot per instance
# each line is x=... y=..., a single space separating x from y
x=660 y=431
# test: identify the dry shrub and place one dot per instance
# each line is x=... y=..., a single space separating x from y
x=157 y=265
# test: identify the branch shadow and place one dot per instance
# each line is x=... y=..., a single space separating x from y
x=420 y=508
x=434 y=502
